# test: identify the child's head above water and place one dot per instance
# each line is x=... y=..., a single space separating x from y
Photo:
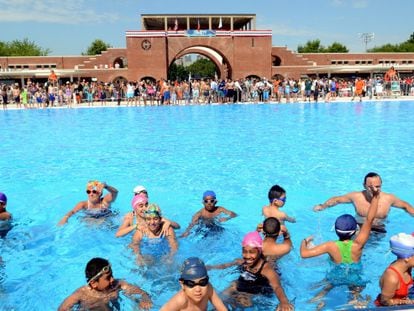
x=95 y=269
x=402 y=245
x=345 y=226
x=193 y=268
x=276 y=193
x=3 y=199
x=271 y=227
x=253 y=239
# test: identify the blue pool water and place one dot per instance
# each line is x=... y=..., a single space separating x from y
x=313 y=150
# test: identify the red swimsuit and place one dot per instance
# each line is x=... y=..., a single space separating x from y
x=401 y=292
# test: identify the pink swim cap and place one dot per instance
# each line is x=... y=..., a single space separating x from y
x=253 y=239
x=139 y=199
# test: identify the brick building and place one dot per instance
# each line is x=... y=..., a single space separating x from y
x=231 y=41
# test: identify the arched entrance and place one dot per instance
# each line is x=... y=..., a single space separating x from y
x=223 y=68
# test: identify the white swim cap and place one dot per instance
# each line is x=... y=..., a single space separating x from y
x=402 y=245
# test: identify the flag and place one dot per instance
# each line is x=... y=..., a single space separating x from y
x=189 y=77
x=220 y=23
x=176 y=25
x=198 y=24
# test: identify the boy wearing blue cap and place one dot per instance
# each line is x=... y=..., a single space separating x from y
x=209 y=212
x=196 y=290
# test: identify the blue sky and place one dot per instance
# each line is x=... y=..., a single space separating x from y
x=68 y=27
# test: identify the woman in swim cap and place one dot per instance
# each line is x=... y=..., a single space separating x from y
x=153 y=230
x=96 y=205
x=256 y=275
x=135 y=219
x=397 y=279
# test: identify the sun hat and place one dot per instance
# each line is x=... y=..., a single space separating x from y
x=193 y=268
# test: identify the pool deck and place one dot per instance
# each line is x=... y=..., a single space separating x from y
x=124 y=103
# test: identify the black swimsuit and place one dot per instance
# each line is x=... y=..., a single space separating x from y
x=253 y=283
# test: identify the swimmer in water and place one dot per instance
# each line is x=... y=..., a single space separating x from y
x=152 y=232
x=135 y=219
x=257 y=276
x=361 y=201
x=102 y=289
x=397 y=279
x=196 y=290
x=96 y=205
x=209 y=212
x=271 y=249
x=348 y=249
x=4 y=215
x=277 y=199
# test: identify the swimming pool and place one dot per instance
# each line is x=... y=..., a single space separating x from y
x=313 y=150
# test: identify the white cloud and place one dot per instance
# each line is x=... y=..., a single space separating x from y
x=50 y=11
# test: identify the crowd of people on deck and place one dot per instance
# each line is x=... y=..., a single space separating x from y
x=261 y=249
x=202 y=91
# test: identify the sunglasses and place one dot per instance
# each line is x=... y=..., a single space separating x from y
x=92 y=191
x=192 y=284
x=210 y=201
x=104 y=270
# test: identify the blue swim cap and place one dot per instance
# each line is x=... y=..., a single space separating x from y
x=402 y=245
x=193 y=268
x=209 y=193
x=3 y=197
x=345 y=226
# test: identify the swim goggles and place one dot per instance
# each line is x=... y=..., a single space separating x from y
x=104 y=270
x=210 y=201
x=191 y=284
x=280 y=199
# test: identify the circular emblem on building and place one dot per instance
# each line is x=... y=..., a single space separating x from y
x=146 y=44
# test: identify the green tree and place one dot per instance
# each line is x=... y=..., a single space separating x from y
x=312 y=46
x=177 y=72
x=204 y=68
x=22 y=48
x=96 y=47
x=406 y=46
x=336 y=47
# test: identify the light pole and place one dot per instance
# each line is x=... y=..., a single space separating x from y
x=366 y=37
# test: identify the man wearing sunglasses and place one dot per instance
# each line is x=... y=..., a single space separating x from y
x=209 y=213
x=196 y=290
x=97 y=205
x=102 y=289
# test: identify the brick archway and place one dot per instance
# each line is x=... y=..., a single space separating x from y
x=224 y=70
